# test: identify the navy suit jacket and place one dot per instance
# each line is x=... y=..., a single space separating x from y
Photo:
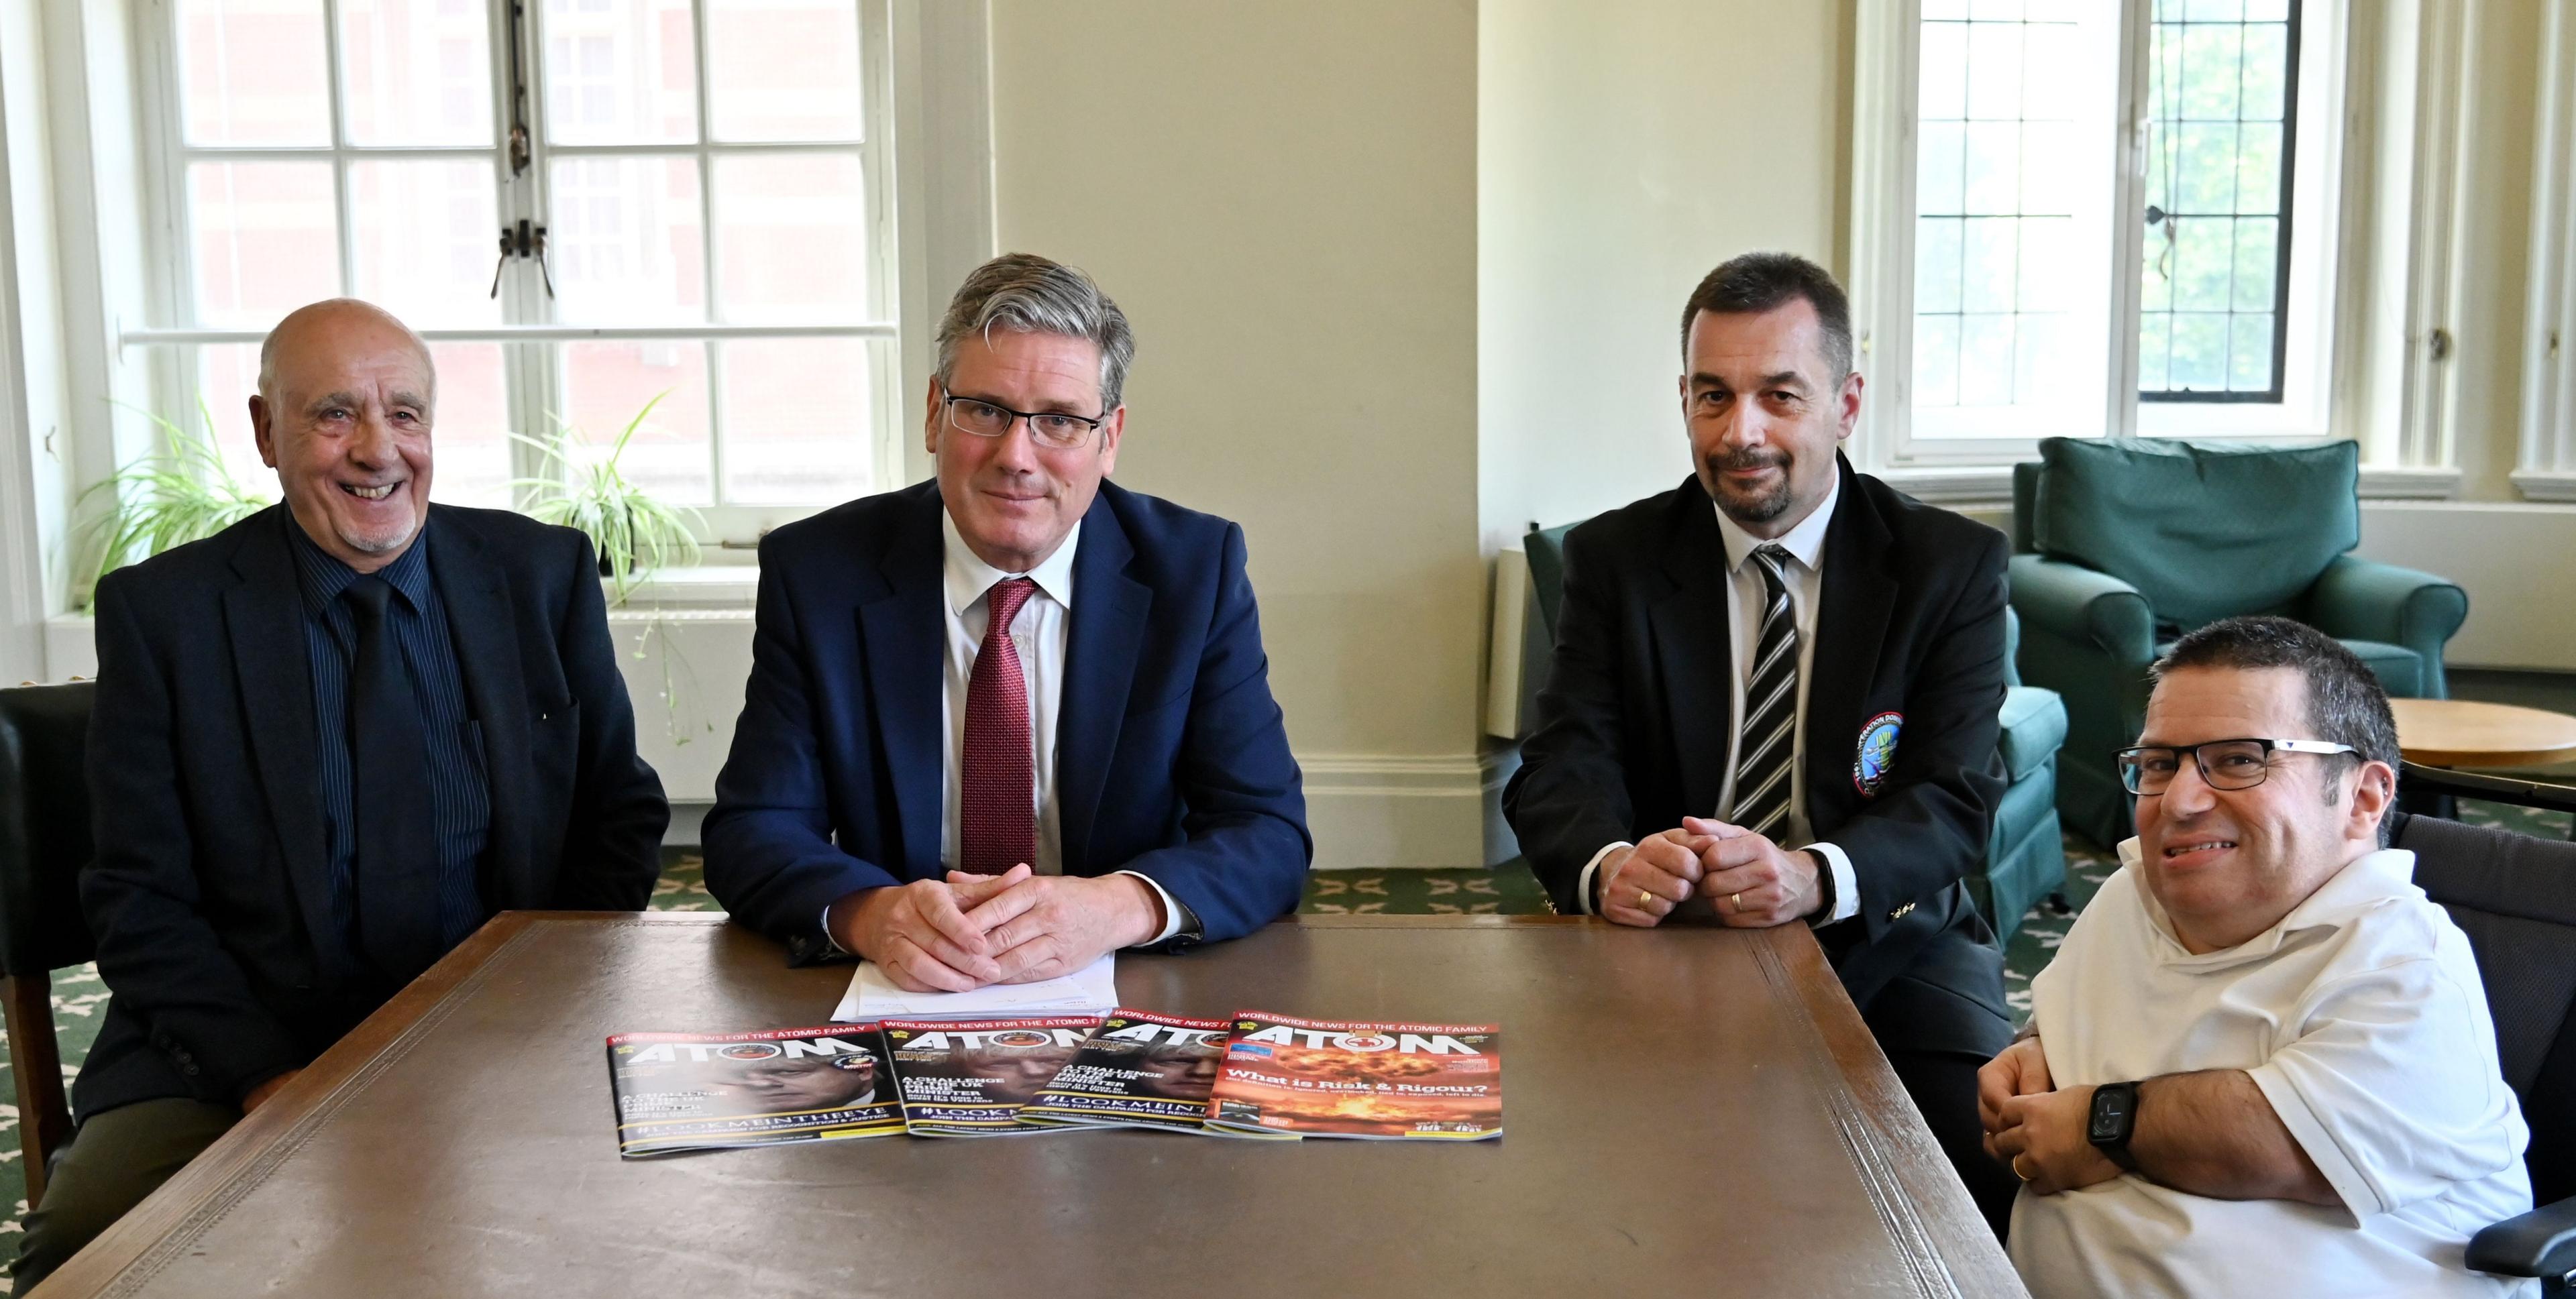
x=210 y=894
x=1171 y=758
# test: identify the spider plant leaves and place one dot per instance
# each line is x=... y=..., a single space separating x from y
x=633 y=531
x=181 y=493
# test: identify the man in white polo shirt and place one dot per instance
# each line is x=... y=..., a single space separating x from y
x=2261 y=1063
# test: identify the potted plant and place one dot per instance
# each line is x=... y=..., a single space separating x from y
x=633 y=532
x=184 y=492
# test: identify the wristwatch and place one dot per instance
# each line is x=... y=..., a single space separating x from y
x=2113 y=1120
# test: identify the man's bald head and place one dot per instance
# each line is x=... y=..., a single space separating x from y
x=335 y=316
x=343 y=415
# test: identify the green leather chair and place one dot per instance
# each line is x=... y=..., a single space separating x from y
x=2025 y=856
x=2122 y=545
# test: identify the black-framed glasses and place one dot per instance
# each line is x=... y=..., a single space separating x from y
x=1046 y=427
x=2224 y=764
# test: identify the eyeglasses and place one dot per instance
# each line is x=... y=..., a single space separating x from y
x=1046 y=428
x=2224 y=764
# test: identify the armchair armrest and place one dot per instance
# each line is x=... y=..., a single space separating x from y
x=2363 y=599
x=2082 y=605
x=2539 y=1243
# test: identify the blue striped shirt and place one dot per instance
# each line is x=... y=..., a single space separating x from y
x=460 y=796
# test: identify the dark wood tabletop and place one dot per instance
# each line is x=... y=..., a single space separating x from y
x=1699 y=1109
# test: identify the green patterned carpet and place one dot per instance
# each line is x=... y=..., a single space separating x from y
x=1508 y=890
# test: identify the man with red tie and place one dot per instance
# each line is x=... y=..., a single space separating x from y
x=1006 y=721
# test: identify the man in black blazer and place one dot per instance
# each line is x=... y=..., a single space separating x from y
x=328 y=743
x=1774 y=698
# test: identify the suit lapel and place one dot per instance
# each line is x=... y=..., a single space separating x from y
x=902 y=630
x=1693 y=650
x=1851 y=626
x=485 y=632
x=264 y=620
x=1101 y=649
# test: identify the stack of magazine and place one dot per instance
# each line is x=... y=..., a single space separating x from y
x=1254 y=1074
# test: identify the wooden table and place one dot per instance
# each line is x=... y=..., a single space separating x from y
x=2465 y=733
x=1688 y=1110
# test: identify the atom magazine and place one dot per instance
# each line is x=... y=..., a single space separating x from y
x=694 y=1091
x=969 y=1077
x=1137 y=1070
x=1284 y=1076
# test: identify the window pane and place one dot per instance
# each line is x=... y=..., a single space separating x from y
x=2013 y=177
x=797 y=417
x=620 y=72
x=607 y=384
x=226 y=378
x=791 y=238
x=470 y=431
x=265 y=239
x=253 y=72
x=416 y=72
x=426 y=235
x=628 y=240
x=783 y=69
x=2218 y=179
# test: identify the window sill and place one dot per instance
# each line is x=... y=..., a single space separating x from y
x=704 y=586
x=2547 y=486
x=1992 y=484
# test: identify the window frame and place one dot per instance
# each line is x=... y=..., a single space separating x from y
x=2327 y=266
x=531 y=335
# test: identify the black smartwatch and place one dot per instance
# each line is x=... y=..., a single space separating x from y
x=2113 y=1120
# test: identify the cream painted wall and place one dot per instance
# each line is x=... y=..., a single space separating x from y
x=1626 y=147
x=1282 y=196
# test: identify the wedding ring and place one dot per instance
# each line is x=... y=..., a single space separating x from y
x=1644 y=897
x=1738 y=900
x=2016 y=1167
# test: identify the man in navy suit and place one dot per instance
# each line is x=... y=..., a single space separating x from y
x=1007 y=721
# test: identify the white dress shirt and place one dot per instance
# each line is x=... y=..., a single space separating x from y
x=1746 y=600
x=2362 y=1019
x=1038 y=632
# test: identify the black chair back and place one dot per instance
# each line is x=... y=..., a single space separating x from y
x=44 y=842
x=2515 y=897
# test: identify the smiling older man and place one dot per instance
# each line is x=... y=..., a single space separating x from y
x=2261 y=1063
x=1016 y=717
x=328 y=743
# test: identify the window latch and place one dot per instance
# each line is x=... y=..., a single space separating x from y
x=527 y=239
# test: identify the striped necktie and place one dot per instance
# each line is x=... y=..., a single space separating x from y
x=1764 y=746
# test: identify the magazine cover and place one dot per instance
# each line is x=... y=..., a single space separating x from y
x=1330 y=1078
x=969 y=1077
x=1138 y=1069
x=690 y=1091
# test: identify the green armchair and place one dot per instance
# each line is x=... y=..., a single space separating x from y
x=2025 y=856
x=2122 y=545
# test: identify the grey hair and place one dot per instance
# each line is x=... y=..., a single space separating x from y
x=1758 y=282
x=1028 y=294
x=2346 y=703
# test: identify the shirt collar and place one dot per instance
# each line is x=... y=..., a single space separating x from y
x=968 y=577
x=1805 y=542
x=2371 y=880
x=324 y=577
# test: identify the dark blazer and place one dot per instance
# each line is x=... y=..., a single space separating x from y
x=210 y=895
x=1171 y=758
x=1633 y=722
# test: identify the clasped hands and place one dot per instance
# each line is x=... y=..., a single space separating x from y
x=2038 y=1129
x=1752 y=882
x=967 y=931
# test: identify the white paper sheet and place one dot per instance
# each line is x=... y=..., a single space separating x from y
x=1092 y=990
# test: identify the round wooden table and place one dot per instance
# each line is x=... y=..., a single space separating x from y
x=2465 y=733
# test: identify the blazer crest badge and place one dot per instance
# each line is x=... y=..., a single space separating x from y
x=1876 y=759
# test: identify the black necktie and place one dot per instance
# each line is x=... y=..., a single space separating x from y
x=396 y=876
x=1770 y=710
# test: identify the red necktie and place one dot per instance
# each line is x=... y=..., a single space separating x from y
x=997 y=820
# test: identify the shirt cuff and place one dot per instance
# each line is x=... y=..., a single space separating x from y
x=1171 y=909
x=1583 y=886
x=1846 y=885
x=830 y=944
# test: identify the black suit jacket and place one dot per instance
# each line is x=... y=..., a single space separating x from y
x=210 y=894
x=1634 y=720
